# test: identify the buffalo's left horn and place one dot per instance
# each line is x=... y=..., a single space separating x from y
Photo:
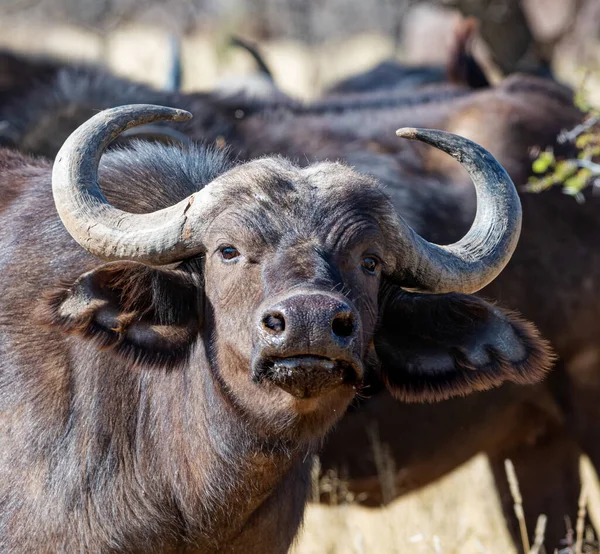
x=156 y=238
x=477 y=259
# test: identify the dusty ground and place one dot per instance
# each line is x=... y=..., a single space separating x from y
x=460 y=513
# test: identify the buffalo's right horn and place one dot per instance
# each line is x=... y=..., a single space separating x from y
x=156 y=238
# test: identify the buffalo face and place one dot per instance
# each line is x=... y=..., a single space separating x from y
x=292 y=291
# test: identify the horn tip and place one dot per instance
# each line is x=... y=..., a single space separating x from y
x=407 y=132
x=181 y=115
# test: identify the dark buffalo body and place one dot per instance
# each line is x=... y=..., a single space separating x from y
x=42 y=100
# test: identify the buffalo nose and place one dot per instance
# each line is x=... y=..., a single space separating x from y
x=342 y=325
x=315 y=316
x=308 y=343
x=274 y=321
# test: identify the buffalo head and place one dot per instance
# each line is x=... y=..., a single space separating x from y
x=293 y=283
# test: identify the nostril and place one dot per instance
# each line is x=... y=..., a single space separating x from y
x=274 y=322
x=343 y=325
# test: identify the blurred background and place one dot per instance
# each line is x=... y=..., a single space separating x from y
x=308 y=45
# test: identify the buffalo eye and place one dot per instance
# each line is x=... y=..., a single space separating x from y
x=369 y=264
x=229 y=253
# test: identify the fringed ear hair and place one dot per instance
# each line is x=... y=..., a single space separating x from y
x=130 y=309
x=432 y=347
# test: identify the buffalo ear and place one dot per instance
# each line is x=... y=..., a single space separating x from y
x=434 y=346
x=142 y=313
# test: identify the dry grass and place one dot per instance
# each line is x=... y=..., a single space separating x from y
x=515 y=492
x=141 y=52
x=540 y=531
x=459 y=514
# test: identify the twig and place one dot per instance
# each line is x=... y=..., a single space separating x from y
x=587 y=164
x=540 y=532
x=581 y=512
x=315 y=479
x=513 y=484
x=570 y=136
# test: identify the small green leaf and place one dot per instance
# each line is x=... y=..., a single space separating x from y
x=576 y=183
x=581 y=98
x=564 y=169
x=584 y=139
x=543 y=162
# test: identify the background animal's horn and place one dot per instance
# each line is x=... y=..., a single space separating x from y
x=156 y=238
x=477 y=259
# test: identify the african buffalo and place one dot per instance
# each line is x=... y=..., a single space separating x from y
x=436 y=199
x=172 y=352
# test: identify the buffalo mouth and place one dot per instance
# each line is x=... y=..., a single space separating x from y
x=307 y=376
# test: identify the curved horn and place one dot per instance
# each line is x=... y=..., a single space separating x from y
x=156 y=238
x=253 y=51
x=477 y=259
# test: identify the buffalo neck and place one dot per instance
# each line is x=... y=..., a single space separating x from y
x=219 y=467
